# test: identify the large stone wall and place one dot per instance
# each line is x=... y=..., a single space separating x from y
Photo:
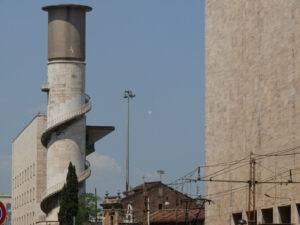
x=252 y=103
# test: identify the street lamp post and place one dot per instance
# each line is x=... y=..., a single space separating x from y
x=128 y=94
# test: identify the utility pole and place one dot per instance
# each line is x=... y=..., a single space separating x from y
x=148 y=211
x=176 y=208
x=128 y=94
x=251 y=192
x=96 y=204
x=160 y=172
x=146 y=220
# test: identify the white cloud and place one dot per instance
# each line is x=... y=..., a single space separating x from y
x=103 y=163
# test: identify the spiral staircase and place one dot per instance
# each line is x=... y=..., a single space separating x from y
x=57 y=125
x=93 y=134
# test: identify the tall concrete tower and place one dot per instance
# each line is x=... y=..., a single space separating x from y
x=67 y=138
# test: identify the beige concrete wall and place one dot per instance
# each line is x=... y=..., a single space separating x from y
x=28 y=173
x=252 y=102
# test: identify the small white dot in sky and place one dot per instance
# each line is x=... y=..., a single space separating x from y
x=149 y=112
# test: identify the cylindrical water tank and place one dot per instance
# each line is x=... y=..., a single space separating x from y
x=66 y=31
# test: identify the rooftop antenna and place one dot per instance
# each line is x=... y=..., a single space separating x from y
x=160 y=172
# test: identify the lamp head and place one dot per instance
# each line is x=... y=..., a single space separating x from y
x=128 y=94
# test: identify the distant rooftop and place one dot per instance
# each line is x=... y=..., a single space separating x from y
x=163 y=216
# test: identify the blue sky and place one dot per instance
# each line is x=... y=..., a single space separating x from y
x=154 y=48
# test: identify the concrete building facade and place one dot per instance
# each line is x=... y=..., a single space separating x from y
x=28 y=173
x=253 y=105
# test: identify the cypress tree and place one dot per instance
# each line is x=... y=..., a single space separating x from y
x=69 y=198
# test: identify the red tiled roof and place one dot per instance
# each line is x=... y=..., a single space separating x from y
x=163 y=216
x=148 y=185
x=139 y=189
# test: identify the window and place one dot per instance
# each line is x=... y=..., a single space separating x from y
x=129 y=213
x=251 y=216
x=284 y=214
x=112 y=219
x=160 y=192
x=267 y=215
x=160 y=206
x=298 y=213
x=236 y=217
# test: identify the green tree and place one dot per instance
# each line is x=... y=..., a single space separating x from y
x=87 y=207
x=69 y=198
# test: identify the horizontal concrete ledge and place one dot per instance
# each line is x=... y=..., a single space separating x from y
x=48 y=7
x=66 y=61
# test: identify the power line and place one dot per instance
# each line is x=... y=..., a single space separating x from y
x=229 y=168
